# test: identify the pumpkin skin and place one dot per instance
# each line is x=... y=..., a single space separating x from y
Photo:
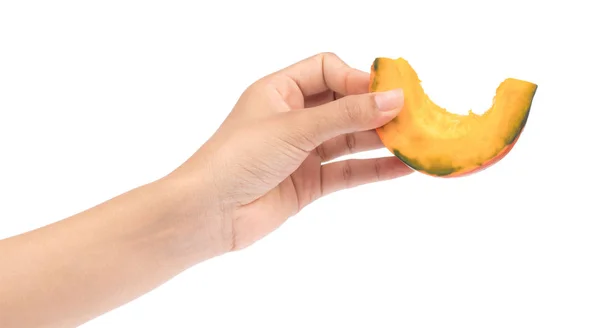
x=439 y=143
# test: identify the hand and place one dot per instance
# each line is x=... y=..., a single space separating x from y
x=265 y=163
x=267 y=160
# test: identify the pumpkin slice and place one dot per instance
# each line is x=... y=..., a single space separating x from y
x=440 y=143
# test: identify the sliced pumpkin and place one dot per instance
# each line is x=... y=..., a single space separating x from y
x=434 y=141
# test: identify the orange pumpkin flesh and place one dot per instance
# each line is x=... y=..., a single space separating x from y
x=434 y=141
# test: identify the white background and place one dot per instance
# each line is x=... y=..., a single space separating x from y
x=98 y=97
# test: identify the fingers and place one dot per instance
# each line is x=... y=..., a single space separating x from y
x=308 y=128
x=347 y=144
x=325 y=72
x=320 y=99
x=355 y=172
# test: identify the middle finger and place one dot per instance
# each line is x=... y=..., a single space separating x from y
x=348 y=144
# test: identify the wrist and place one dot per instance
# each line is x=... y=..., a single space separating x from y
x=193 y=220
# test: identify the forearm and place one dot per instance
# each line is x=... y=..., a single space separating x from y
x=68 y=272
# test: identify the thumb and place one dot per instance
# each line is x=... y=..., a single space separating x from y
x=310 y=127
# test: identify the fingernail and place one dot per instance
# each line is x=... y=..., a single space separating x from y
x=389 y=100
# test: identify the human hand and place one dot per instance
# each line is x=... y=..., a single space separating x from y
x=268 y=159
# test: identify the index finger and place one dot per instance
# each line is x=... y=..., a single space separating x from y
x=325 y=72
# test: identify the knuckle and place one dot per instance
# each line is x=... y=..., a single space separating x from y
x=350 y=140
x=329 y=59
x=347 y=173
x=377 y=167
x=371 y=104
x=327 y=55
x=349 y=109
x=356 y=108
x=321 y=152
x=258 y=86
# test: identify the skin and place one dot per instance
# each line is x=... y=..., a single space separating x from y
x=269 y=159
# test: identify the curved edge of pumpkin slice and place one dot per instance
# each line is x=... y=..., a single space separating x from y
x=499 y=156
x=404 y=134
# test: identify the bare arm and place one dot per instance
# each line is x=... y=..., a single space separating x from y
x=265 y=163
x=69 y=272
